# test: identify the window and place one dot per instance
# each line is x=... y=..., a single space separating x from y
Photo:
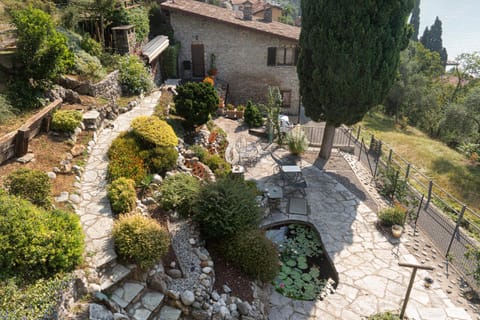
x=282 y=56
x=286 y=98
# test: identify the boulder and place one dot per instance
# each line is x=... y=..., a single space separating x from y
x=99 y=312
x=187 y=297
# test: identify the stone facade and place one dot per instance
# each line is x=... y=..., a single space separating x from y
x=241 y=57
x=108 y=88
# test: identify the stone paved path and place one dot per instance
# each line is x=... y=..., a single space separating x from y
x=94 y=209
x=366 y=260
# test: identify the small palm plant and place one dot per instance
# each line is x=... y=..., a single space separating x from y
x=297 y=141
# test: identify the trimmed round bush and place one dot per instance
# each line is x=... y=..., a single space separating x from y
x=124 y=159
x=32 y=185
x=391 y=216
x=155 y=131
x=226 y=207
x=66 y=120
x=122 y=195
x=140 y=239
x=196 y=102
x=180 y=192
x=254 y=253
x=160 y=159
x=252 y=116
x=36 y=242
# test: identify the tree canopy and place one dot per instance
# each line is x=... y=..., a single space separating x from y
x=432 y=39
x=349 y=54
x=41 y=50
x=415 y=20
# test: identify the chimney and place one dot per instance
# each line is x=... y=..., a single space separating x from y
x=247 y=10
x=267 y=13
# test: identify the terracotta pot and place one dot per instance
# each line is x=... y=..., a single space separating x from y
x=397 y=231
x=231 y=114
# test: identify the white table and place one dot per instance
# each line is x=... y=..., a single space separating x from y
x=291 y=174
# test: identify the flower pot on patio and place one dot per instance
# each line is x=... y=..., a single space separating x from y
x=231 y=114
x=397 y=231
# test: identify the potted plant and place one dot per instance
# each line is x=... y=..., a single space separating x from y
x=239 y=111
x=230 y=112
x=427 y=282
x=221 y=107
x=397 y=231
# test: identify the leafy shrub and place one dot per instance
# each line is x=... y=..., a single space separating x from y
x=180 y=192
x=134 y=75
x=122 y=195
x=391 y=216
x=200 y=152
x=391 y=185
x=195 y=102
x=225 y=207
x=125 y=160
x=88 y=66
x=297 y=141
x=140 y=239
x=24 y=96
x=252 y=115
x=36 y=242
x=91 y=46
x=42 y=298
x=32 y=185
x=384 y=316
x=66 y=120
x=160 y=159
x=155 y=131
x=139 y=18
x=253 y=253
x=7 y=111
x=218 y=165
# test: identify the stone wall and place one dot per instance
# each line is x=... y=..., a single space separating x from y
x=241 y=58
x=109 y=87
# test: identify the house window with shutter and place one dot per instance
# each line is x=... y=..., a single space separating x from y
x=282 y=56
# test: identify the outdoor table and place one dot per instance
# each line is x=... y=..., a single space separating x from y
x=291 y=173
x=274 y=195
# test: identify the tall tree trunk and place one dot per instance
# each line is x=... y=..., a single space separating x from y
x=327 y=141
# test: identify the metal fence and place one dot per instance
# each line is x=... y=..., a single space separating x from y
x=448 y=222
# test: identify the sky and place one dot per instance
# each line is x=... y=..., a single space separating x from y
x=460 y=23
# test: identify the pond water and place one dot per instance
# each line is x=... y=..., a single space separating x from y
x=306 y=272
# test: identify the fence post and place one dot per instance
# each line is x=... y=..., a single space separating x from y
x=349 y=136
x=21 y=142
x=407 y=172
x=372 y=141
x=429 y=196
x=457 y=227
x=358 y=132
x=390 y=153
x=360 y=153
x=418 y=215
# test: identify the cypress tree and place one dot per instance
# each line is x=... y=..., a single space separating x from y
x=415 y=20
x=432 y=40
x=349 y=54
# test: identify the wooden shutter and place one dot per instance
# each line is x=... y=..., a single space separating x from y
x=295 y=55
x=272 y=56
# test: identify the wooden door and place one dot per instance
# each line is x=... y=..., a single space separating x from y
x=198 y=61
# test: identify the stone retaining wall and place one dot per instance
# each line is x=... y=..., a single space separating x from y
x=108 y=87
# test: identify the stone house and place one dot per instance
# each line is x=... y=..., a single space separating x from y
x=250 y=54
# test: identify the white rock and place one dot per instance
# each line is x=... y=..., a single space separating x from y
x=207 y=270
x=226 y=289
x=187 y=297
x=52 y=175
x=192 y=241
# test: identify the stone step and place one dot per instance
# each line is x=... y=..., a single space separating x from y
x=113 y=276
x=425 y=313
x=168 y=313
x=148 y=303
x=124 y=294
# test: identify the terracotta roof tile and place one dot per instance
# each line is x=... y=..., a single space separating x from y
x=200 y=9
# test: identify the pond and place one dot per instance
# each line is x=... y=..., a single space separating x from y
x=306 y=273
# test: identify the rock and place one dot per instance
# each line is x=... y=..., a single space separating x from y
x=215 y=296
x=199 y=314
x=158 y=283
x=52 y=175
x=119 y=316
x=226 y=289
x=192 y=241
x=202 y=256
x=243 y=308
x=63 y=197
x=148 y=201
x=75 y=198
x=26 y=158
x=100 y=296
x=77 y=150
x=187 y=297
x=173 y=294
x=207 y=270
x=157 y=179
x=99 y=312
x=174 y=273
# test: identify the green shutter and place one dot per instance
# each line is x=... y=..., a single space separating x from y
x=272 y=55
